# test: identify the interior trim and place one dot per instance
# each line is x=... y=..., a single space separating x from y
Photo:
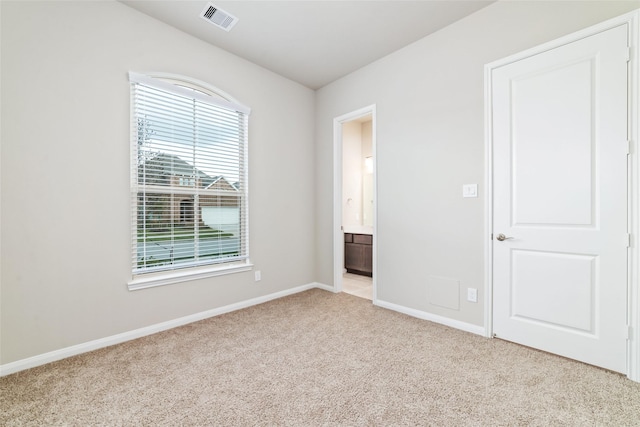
x=63 y=353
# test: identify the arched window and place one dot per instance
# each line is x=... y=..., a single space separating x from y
x=188 y=173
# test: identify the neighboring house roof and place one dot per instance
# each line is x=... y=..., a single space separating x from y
x=164 y=164
x=221 y=181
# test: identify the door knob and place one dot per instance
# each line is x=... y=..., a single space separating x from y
x=501 y=237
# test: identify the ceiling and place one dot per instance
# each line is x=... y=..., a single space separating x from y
x=312 y=42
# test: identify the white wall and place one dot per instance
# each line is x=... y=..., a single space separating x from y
x=367 y=139
x=352 y=174
x=367 y=174
x=357 y=183
x=430 y=141
x=65 y=226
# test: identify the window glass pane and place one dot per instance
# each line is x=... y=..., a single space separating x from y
x=189 y=193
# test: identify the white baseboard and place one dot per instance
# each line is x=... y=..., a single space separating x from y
x=75 y=350
x=324 y=287
x=467 y=327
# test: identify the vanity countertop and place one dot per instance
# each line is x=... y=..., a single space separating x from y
x=358 y=229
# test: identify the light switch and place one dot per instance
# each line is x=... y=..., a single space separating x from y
x=470 y=190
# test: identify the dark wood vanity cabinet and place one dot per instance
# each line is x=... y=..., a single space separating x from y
x=358 y=253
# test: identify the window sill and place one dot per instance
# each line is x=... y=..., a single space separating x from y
x=151 y=280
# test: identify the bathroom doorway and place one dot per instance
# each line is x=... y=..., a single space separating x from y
x=355 y=203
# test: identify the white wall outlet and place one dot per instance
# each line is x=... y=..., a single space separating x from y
x=258 y=275
x=472 y=295
x=470 y=190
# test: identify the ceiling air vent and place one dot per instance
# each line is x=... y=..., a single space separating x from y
x=218 y=17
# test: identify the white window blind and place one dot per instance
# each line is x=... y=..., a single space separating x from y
x=189 y=178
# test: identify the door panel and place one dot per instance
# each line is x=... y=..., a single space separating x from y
x=551 y=114
x=560 y=195
x=569 y=278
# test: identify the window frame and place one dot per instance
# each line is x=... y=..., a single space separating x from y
x=204 y=92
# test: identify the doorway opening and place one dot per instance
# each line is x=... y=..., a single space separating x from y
x=355 y=203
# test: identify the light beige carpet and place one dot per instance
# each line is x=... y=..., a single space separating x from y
x=316 y=359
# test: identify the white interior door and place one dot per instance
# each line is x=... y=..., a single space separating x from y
x=560 y=199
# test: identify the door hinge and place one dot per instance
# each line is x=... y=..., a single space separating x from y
x=629 y=332
x=628 y=53
x=628 y=240
x=629 y=146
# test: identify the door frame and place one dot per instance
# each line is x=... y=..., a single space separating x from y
x=632 y=19
x=338 y=238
